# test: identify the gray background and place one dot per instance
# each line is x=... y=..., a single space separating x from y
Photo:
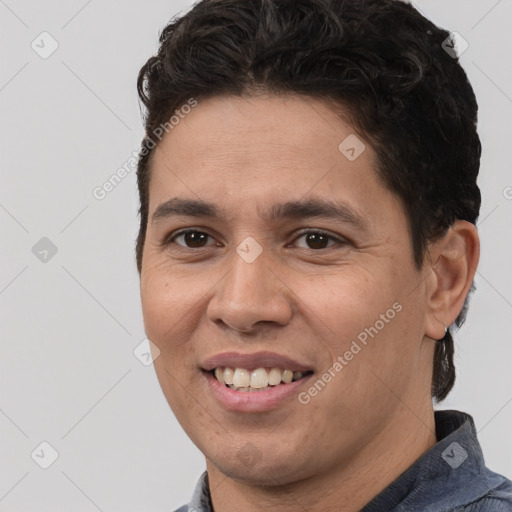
x=71 y=321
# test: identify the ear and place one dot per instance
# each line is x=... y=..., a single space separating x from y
x=455 y=258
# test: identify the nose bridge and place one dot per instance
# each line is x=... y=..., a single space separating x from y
x=248 y=278
x=250 y=292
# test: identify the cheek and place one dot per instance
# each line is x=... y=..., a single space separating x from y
x=163 y=294
x=164 y=306
x=348 y=302
x=366 y=321
x=172 y=305
x=157 y=305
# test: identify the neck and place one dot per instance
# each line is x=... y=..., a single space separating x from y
x=354 y=483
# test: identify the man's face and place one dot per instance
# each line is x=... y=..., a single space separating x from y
x=316 y=289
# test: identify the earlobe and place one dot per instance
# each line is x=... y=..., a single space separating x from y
x=456 y=259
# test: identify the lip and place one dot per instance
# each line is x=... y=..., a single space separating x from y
x=253 y=361
x=253 y=401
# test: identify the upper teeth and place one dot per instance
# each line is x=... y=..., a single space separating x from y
x=256 y=379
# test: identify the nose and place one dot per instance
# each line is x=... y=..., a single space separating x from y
x=251 y=295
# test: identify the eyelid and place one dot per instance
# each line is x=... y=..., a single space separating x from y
x=169 y=239
x=337 y=238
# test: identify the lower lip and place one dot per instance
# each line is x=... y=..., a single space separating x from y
x=254 y=401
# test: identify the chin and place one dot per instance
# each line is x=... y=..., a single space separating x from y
x=263 y=467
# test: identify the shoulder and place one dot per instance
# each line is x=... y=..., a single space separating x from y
x=498 y=499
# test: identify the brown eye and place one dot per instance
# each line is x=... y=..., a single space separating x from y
x=192 y=239
x=318 y=240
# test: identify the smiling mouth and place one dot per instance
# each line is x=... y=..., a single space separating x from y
x=260 y=379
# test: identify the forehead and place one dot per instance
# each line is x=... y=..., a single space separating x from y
x=247 y=152
x=264 y=128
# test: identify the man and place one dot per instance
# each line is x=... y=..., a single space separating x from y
x=308 y=206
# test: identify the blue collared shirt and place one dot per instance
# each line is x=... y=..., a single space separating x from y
x=450 y=477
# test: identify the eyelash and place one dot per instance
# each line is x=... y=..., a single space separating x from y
x=170 y=239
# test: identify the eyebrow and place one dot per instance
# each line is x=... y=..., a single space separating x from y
x=298 y=210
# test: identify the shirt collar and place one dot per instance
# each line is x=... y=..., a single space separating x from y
x=444 y=476
x=201 y=499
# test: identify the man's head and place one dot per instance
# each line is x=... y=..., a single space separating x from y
x=305 y=105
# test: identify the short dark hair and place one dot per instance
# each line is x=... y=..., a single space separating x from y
x=380 y=61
